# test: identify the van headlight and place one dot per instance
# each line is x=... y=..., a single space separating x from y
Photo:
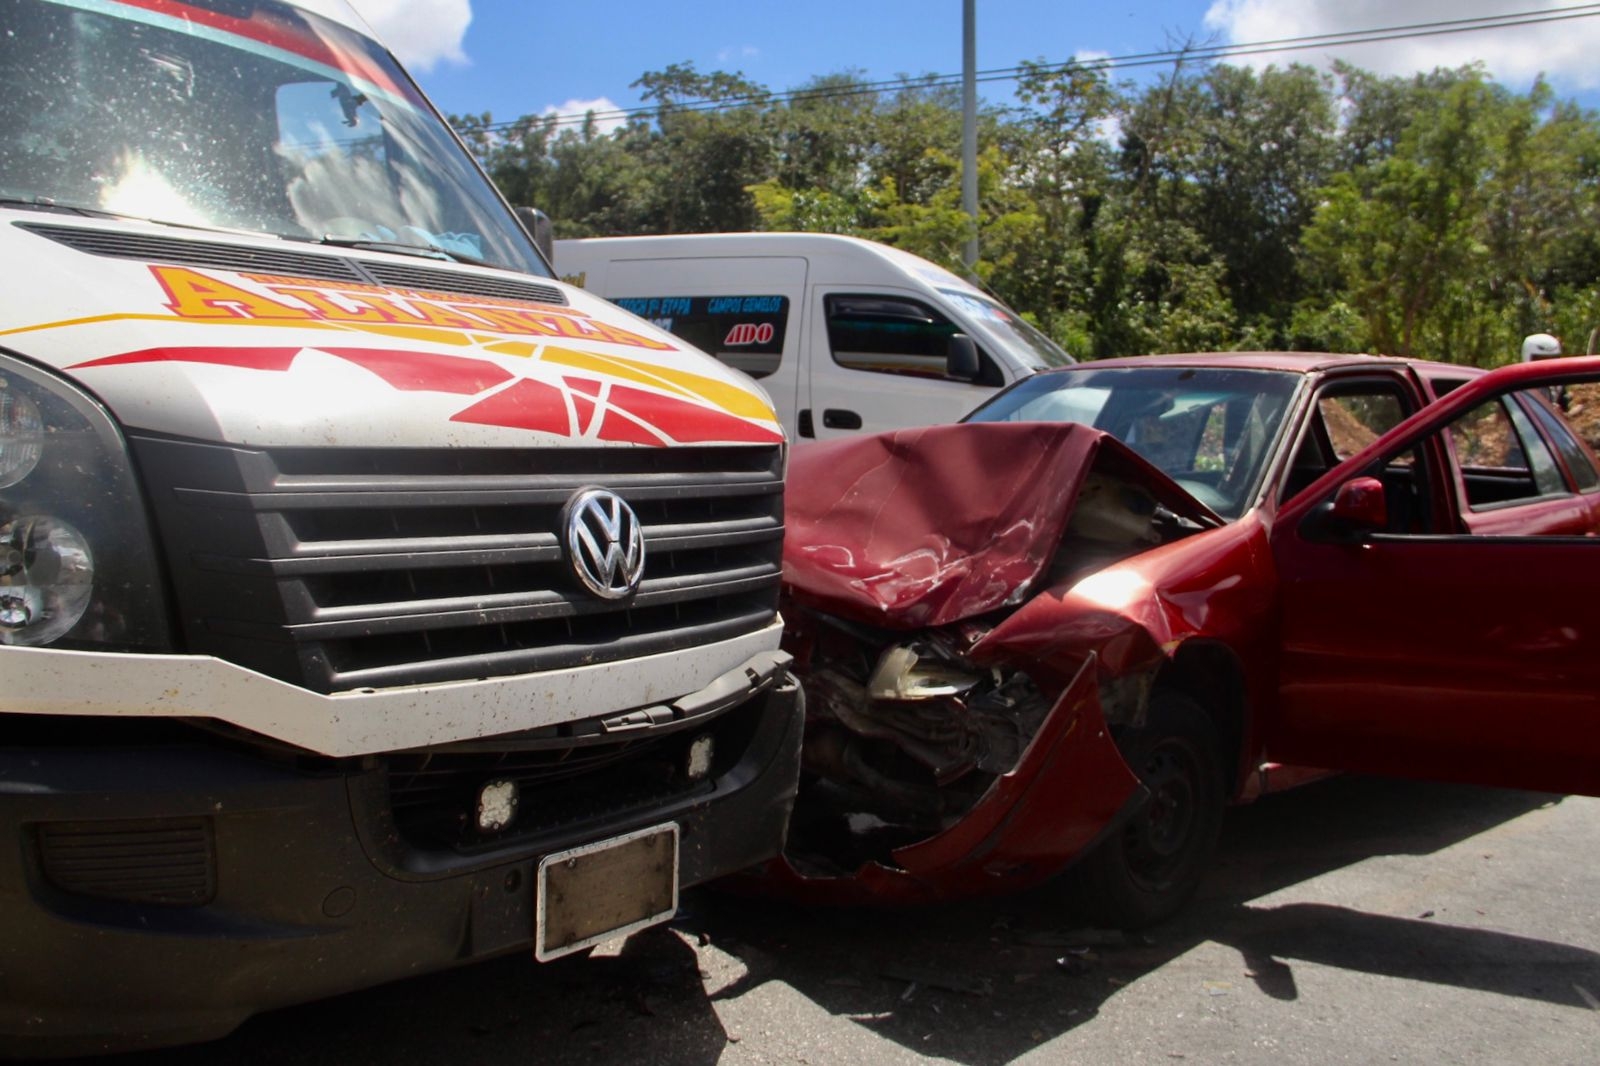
x=77 y=568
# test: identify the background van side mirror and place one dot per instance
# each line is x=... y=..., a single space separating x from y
x=961 y=359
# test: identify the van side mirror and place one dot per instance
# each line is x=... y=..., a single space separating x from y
x=961 y=359
x=540 y=230
x=1359 y=507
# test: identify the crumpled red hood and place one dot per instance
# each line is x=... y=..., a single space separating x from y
x=924 y=527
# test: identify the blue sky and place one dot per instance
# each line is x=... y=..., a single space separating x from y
x=512 y=57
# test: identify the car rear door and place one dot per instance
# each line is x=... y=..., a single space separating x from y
x=1465 y=651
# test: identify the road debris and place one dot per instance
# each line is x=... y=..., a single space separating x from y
x=967 y=984
x=1087 y=938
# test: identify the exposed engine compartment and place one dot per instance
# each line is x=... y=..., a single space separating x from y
x=903 y=736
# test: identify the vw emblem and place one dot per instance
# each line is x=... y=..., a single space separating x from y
x=605 y=545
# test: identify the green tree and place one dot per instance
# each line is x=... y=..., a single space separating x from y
x=711 y=143
x=1445 y=242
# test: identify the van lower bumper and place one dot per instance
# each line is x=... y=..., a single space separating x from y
x=156 y=895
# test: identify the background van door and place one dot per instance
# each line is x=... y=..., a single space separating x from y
x=878 y=361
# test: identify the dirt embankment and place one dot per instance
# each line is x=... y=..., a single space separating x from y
x=1583 y=411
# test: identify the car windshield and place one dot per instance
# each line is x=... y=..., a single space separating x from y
x=1210 y=429
x=236 y=114
x=1032 y=348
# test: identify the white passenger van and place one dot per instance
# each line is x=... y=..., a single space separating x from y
x=844 y=334
x=370 y=601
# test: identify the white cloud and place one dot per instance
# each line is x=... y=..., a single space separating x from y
x=606 y=118
x=1090 y=56
x=744 y=51
x=423 y=33
x=1563 y=50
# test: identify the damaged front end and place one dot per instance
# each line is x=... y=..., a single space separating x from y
x=926 y=777
x=942 y=759
x=902 y=739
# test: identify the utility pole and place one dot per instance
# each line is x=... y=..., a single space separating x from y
x=969 y=128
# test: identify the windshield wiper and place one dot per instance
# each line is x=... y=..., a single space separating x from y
x=424 y=251
x=46 y=203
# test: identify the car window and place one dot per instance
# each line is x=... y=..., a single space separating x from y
x=1355 y=417
x=1502 y=459
x=1210 y=429
x=1579 y=463
x=1541 y=461
x=1346 y=417
x=894 y=335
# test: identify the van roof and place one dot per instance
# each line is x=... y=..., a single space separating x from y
x=758 y=244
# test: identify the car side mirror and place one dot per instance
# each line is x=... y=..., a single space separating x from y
x=1359 y=507
x=961 y=359
x=540 y=230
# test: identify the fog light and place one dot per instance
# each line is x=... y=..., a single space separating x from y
x=698 y=764
x=497 y=805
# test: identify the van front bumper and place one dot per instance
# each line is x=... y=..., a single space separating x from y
x=161 y=894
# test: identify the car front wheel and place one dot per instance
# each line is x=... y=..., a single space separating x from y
x=1146 y=871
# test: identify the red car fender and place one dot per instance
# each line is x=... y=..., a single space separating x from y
x=1070 y=785
x=1219 y=584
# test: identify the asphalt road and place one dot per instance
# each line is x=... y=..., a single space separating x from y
x=1354 y=921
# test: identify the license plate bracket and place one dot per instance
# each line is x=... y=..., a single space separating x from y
x=610 y=888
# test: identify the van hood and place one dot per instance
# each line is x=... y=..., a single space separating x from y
x=266 y=343
x=920 y=528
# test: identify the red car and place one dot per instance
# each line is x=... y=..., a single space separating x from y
x=1067 y=632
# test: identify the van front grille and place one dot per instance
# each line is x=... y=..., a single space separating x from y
x=340 y=569
x=564 y=781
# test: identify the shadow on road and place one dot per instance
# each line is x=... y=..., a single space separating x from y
x=976 y=983
x=983 y=984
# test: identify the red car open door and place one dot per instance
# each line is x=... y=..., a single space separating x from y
x=1412 y=648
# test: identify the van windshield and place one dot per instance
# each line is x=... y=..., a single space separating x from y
x=1032 y=348
x=236 y=114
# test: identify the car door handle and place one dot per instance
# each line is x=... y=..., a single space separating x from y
x=835 y=418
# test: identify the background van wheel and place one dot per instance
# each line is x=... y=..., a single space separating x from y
x=1147 y=870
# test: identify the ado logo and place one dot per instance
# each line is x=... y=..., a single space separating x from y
x=748 y=333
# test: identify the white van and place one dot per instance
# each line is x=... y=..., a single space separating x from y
x=844 y=334
x=370 y=601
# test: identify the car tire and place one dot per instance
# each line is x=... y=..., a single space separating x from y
x=1146 y=870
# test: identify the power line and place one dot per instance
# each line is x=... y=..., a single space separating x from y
x=1200 y=54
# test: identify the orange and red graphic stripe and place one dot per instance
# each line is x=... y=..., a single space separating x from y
x=581 y=407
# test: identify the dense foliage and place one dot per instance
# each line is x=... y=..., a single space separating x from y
x=1215 y=207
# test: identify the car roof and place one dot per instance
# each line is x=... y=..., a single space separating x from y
x=1293 y=362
